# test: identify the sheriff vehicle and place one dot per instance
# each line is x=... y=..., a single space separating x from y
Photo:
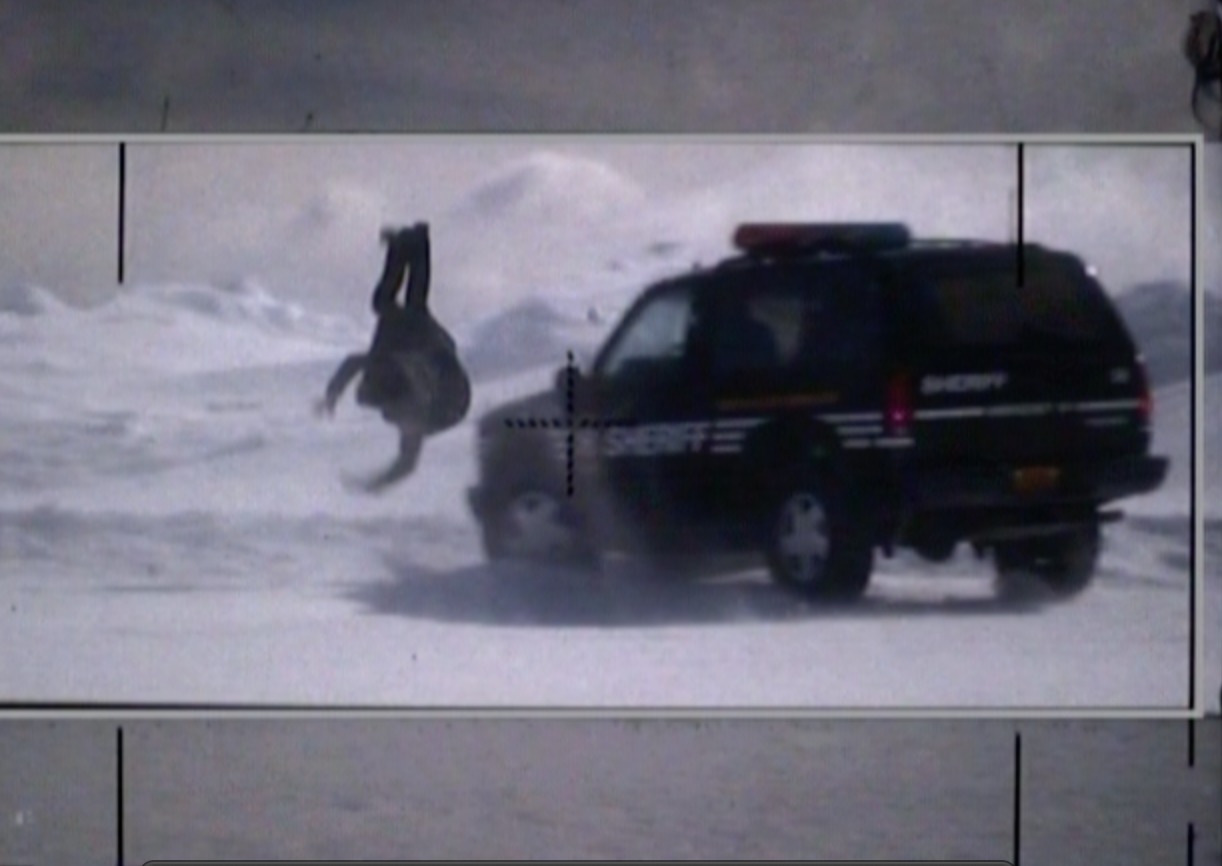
x=830 y=391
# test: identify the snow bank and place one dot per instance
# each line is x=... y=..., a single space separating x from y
x=548 y=186
x=28 y=300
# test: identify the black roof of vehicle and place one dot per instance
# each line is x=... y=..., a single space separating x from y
x=766 y=244
x=923 y=250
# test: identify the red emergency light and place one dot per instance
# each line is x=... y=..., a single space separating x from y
x=781 y=238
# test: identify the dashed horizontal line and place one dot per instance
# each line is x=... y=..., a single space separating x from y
x=563 y=424
x=733 y=429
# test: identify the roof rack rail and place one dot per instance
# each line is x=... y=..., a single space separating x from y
x=939 y=243
x=782 y=239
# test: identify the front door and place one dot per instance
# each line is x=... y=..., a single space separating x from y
x=651 y=396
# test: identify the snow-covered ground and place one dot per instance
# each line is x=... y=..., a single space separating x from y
x=174 y=528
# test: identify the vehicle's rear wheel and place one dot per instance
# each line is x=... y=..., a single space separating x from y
x=818 y=543
x=1062 y=564
x=536 y=524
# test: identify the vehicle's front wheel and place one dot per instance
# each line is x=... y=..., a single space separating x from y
x=1063 y=565
x=535 y=524
x=818 y=543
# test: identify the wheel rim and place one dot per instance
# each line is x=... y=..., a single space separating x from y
x=803 y=539
x=536 y=526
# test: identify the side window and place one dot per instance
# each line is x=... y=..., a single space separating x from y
x=755 y=330
x=807 y=321
x=841 y=323
x=657 y=332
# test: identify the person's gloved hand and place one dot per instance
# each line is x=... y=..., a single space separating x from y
x=324 y=407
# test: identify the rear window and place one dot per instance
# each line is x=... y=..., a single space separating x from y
x=987 y=307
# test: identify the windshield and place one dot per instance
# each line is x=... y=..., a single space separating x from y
x=656 y=331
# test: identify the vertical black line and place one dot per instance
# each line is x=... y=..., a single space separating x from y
x=1192 y=428
x=119 y=793
x=1192 y=742
x=122 y=203
x=570 y=407
x=1018 y=218
x=1018 y=795
x=1192 y=837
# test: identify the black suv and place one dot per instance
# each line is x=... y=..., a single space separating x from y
x=833 y=389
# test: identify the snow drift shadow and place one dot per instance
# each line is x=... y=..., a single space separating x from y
x=627 y=596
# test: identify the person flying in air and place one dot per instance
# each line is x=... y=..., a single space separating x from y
x=1203 y=48
x=411 y=373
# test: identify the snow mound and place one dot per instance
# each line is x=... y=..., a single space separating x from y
x=530 y=334
x=1173 y=439
x=1173 y=434
x=1159 y=315
x=241 y=302
x=164 y=328
x=28 y=300
x=549 y=185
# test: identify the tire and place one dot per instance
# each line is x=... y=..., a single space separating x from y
x=536 y=524
x=1061 y=565
x=818 y=543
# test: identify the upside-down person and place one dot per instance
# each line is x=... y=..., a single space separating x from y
x=411 y=373
x=1203 y=48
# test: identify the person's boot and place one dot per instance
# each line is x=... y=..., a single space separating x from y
x=416 y=248
x=397 y=256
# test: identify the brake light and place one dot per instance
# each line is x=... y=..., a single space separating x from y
x=1145 y=406
x=899 y=405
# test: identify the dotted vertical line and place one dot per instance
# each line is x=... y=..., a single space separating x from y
x=570 y=409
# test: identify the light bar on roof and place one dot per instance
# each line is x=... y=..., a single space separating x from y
x=782 y=238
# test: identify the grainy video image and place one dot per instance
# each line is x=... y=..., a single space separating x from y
x=1033 y=792
x=583 y=423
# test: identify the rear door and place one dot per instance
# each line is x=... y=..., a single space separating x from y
x=1038 y=373
x=790 y=343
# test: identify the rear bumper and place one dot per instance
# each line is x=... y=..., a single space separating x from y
x=982 y=487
